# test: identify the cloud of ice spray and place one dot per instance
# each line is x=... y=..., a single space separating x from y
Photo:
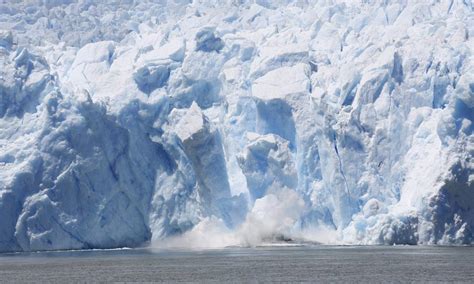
x=276 y=214
x=272 y=216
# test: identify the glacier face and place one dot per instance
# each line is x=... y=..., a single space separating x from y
x=214 y=123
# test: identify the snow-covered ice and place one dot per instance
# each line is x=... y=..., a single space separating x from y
x=217 y=123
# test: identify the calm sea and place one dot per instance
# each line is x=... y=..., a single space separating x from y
x=265 y=264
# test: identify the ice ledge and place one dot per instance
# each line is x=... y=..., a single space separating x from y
x=279 y=83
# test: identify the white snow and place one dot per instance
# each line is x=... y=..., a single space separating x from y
x=191 y=123
x=279 y=83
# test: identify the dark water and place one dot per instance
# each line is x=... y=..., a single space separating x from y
x=288 y=264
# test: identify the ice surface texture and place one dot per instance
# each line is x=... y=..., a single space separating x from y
x=134 y=122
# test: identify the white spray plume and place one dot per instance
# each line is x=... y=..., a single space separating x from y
x=274 y=215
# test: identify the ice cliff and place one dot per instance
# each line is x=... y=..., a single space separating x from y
x=214 y=123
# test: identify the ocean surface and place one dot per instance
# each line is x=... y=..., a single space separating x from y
x=262 y=264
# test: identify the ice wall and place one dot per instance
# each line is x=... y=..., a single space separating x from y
x=239 y=122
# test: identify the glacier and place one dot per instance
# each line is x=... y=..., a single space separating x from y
x=216 y=123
